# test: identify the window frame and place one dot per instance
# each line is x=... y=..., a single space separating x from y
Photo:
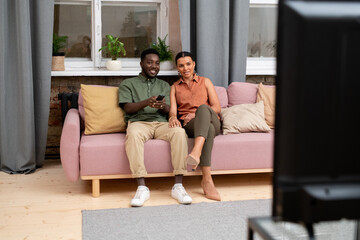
x=96 y=61
x=261 y=65
x=96 y=65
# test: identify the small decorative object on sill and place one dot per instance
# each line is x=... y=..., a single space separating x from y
x=113 y=65
x=58 y=62
x=58 y=59
x=166 y=65
x=114 y=48
x=165 y=54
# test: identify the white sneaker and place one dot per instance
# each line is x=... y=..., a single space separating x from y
x=142 y=194
x=178 y=192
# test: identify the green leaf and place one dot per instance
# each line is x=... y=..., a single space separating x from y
x=114 y=47
x=165 y=54
x=110 y=37
x=58 y=42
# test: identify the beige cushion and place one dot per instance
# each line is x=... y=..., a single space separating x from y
x=102 y=111
x=267 y=95
x=244 y=118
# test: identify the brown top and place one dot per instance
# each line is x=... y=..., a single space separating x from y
x=190 y=97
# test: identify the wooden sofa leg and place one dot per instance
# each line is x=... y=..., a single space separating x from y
x=96 y=187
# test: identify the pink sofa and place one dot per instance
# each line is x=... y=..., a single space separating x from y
x=96 y=157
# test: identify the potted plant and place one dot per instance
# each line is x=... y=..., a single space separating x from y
x=58 y=57
x=114 y=48
x=165 y=54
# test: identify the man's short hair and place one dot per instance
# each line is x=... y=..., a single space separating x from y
x=148 y=51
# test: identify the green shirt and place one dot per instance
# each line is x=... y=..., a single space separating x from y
x=139 y=88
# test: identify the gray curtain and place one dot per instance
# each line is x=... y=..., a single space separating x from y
x=216 y=31
x=25 y=76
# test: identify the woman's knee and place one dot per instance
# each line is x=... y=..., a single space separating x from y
x=202 y=108
x=203 y=112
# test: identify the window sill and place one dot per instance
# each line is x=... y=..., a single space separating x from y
x=255 y=66
x=70 y=72
x=261 y=66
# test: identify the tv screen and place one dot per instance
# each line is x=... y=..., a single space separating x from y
x=317 y=133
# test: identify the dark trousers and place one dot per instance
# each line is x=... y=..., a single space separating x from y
x=207 y=125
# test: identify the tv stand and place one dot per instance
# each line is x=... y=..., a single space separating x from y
x=271 y=228
x=310 y=229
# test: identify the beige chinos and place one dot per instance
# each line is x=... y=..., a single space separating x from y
x=138 y=133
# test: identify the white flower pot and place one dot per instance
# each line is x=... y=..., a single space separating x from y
x=113 y=65
x=166 y=65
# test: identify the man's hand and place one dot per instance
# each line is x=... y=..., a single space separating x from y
x=131 y=108
x=152 y=102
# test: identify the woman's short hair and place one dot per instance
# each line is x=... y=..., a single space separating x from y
x=183 y=54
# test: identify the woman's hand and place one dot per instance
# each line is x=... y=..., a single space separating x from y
x=188 y=118
x=174 y=122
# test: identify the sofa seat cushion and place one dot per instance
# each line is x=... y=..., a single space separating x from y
x=104 y=154
x=243 y=151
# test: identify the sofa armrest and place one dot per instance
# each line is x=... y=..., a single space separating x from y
x=70 y=145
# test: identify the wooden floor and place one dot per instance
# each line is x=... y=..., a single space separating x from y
x=45 y=205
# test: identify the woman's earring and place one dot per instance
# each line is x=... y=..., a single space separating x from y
x=179 y=75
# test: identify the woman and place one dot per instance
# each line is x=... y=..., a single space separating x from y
x=193 y=99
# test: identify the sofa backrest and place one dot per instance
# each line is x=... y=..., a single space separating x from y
x=241 y=92
x=81 y=106
x=222 y=95
x=236 y=93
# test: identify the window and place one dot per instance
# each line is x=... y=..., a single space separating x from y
x=136 y=26
x=262 y=32
x=87 y=22
x=262 y=37
x=79 y=34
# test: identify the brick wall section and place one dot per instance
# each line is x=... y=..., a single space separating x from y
x=72 y=84
x=267 y=80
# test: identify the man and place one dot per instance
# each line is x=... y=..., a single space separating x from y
x=146 y=118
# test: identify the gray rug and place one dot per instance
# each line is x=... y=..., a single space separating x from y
x=219 y=220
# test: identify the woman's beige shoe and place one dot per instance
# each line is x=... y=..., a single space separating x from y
x=210 y=191
x=191 y=160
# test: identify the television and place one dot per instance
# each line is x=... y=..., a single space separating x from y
x=317 y=129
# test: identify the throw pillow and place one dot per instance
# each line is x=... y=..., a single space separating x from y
x=267 y=95
x=244 y=118
x=102 y=111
